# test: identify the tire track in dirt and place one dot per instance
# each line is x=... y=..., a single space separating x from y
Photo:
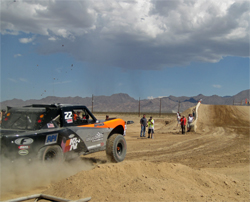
x=216 y=135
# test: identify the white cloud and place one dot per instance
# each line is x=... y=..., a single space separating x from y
x=52 y=38
x=23 y=80
x=17 y=80
x=17 y=55
x=26 y=40
x=134 y=34
x=216 y=86
x=12 y=80
x=62 y=82
x=151 y=97
x=65 y=34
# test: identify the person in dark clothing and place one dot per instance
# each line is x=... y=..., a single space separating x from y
x=143 y=123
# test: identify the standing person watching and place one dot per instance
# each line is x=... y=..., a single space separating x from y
x=190 y=120
x=178 y=118
x=183 y=124
x=151 y=127
x=194 y=113
x=143 y=123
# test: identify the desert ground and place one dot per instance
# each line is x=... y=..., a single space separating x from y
x=211 y=164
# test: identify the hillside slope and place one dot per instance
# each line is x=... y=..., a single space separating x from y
x=122 y=102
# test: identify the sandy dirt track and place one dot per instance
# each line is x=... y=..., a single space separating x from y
x=209 y=165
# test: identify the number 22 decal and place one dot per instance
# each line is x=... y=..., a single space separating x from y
x=68 y=115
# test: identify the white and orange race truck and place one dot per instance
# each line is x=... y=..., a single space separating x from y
x=59 y=132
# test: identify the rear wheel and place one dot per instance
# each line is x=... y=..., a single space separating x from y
x=116 y=148
x=51 y=154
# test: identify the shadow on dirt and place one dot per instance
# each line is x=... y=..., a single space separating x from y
x=92 y=160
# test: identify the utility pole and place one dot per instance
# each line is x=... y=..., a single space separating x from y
x=160 y=108
x=139 y=108
x=92 y=103
x=179 y=106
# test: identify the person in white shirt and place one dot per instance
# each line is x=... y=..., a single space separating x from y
x=178 y=118
x=190 y=120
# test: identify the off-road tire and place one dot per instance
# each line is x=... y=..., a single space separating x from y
x=51 y=154
x=116 y=148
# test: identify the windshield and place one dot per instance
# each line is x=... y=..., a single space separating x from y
x=22 y=120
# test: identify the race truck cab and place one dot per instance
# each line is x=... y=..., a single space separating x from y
x=58 y=132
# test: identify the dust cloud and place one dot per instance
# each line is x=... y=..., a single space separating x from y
x=20 y=176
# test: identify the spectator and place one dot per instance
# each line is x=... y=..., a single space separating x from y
x=183 y=124
x=178 y=118
x=151 y=127
x=190 y=120
x=143 y=123
x=194 y=113
x=107 y=117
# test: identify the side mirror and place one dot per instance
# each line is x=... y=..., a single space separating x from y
x=130 y=122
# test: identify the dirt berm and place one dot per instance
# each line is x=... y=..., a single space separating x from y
x=209 y=165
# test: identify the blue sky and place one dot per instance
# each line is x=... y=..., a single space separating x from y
x=145 y=48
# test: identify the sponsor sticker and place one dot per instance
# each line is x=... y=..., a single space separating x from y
x=50 y=125
x=70 y=144
x=24 y=147
x=73 y=143
x=72 y=135
x=94 y=146
x=23 y=152
x=24 y=141
x=69 y=120
x=95 y=138
x=51 y=139
x=99 y=124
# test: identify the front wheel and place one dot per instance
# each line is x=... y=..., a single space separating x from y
x=116 y=148
x=51 y=154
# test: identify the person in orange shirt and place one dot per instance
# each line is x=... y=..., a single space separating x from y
x=183 y=124
x=75 y=116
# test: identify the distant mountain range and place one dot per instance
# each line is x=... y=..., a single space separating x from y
x=124 y=103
